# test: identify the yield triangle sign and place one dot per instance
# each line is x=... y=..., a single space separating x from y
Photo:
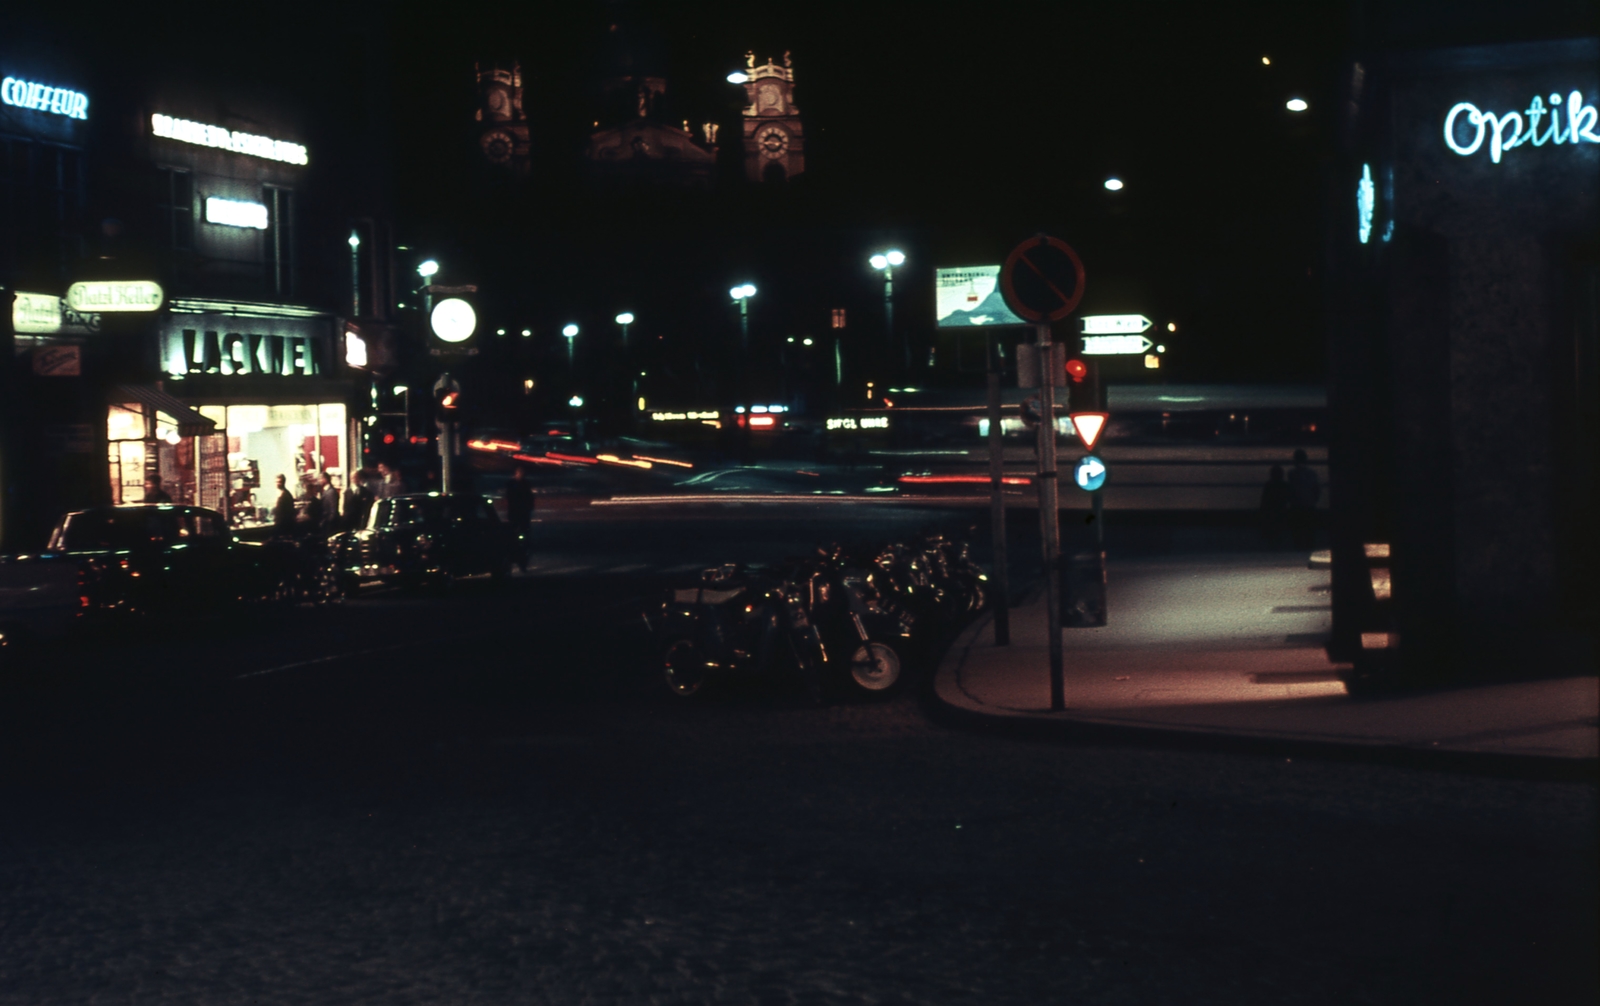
x=1088 y=426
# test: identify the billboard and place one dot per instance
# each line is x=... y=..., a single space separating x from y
x=969 y=297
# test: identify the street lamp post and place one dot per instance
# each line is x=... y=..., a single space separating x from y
x=355 y=275
x=625 y=319
x=571 y=332
x=885 y=263
x=427 y=270
x=741 y=295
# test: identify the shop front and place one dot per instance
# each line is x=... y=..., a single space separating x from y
x=263 y=398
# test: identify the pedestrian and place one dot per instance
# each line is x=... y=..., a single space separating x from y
x=153 y=493
x=1274 y=507
x=389 y=485
x=311 y=495
x=283 y=510
x=359 y=497
x=519 y=512
x=330 y=503
x=1304 y=491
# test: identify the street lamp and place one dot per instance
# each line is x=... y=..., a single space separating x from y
x=405 y=390
x=427 y=270
x=738 y=77
x=625 y=319
x=885 y=262
x=1113 y=184
x=741 y=295
x=355 y=274
x=571 y=332
x=1296 y=105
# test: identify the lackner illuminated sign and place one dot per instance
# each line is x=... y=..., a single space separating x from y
x=203 y=135
x=44 y=98
x=115 y=296
x=1567 y=120
x=234 y=213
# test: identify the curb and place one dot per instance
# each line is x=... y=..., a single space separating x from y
x=947 y=703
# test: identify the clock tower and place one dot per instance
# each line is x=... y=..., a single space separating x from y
x=774 y=141
x=502 y=128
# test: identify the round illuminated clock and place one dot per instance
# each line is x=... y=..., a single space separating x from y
x=497 y=145
x=453 y=320
x=773 y=141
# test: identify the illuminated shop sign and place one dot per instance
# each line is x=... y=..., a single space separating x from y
x=675 y=417
x=234 y=213
x=46 y=314
x=202 y=135
x=44 y=98
x=863 y=423
x=1565 y=120
x=1366 y=200
x=115 y=296
x=233 y=354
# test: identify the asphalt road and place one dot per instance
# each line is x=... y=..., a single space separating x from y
x=488 y=798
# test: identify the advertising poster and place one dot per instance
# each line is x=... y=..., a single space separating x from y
x=969 y=297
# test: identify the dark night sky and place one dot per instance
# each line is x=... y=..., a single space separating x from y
x=950 y=131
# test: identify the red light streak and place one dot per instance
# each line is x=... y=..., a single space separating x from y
x=533 y=459
x=1010 y=480
x=571 y=457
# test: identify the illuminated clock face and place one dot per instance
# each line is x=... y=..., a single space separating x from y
x=497 y=146
x=773 y=141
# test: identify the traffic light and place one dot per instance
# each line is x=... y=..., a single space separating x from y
x=1077 y=370
x=447 y=404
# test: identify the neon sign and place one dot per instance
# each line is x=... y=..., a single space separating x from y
x=44 y=98
x=233 y=213
x=224 y=139
x=1580 y=121
x=1366 y=199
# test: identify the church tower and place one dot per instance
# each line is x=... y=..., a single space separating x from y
x=502 y=129
x=774 y=142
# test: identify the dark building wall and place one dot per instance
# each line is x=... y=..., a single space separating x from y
x=1452 y=365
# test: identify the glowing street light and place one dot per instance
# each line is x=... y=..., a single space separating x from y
x=355 y=275
x=1113 y=184
x=428 y=268
x=1296 y=105
x=885 y=262
x=571 y=332
x=738 y=77
x=576 y=401
x=527 y=333
x=741 y=295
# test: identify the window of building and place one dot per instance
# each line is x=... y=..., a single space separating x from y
x=174 y=205
x=280 y=241
x=42 y=199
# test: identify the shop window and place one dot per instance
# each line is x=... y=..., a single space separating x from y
x=174 y=206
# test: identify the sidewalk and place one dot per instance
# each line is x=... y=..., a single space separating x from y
x=1230 y=646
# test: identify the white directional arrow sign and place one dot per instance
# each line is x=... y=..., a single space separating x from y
x=1115 y=345
x=1090 y=473
x=1115 y=324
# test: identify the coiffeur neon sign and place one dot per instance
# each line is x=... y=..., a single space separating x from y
x=1580 y=122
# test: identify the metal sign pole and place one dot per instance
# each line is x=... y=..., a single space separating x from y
x=1049 y=516
x=997 y=505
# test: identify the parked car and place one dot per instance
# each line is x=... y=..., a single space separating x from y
x=425 y=539
x=140 y=559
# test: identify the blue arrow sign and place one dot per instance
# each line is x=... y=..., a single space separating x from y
x=1089 y=473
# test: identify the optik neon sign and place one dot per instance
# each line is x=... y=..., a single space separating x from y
x=1510 y=130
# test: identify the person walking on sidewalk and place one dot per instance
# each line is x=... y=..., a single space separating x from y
x=1304 y=491
x=283 y=510
x=519 y=513
x=1274 y=508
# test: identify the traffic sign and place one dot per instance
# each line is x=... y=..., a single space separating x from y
x=1115 y=345
x=1042 y=279
x=1088 y=426
x=1115 y=324
x=1089 y=473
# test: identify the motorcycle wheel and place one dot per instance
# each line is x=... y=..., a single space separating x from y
x=684 y=669
x=875 y=668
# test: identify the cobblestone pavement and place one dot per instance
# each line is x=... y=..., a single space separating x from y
x=524 y=820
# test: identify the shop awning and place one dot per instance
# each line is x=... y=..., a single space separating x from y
x=189 y=422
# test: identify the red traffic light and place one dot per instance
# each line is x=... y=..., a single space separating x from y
x=1077 y=370
x=388 y=438
x=449 y=399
